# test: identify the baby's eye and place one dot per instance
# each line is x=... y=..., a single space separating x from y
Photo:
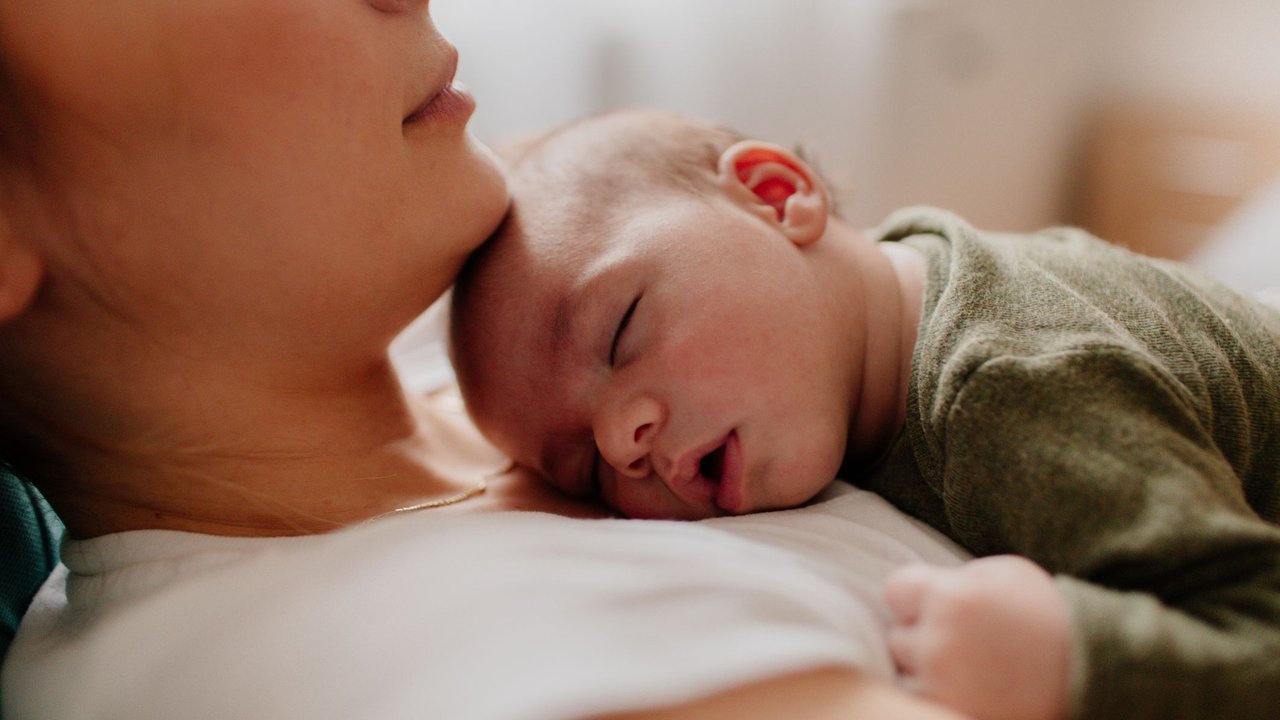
x=622 y=327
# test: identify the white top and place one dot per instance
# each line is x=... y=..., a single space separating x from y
x=458 y=616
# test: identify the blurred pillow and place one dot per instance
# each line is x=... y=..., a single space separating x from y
x=1244 y=252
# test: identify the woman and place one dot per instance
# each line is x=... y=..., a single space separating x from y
x=216 y=214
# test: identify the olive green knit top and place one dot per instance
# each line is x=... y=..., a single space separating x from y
x=1116 y=419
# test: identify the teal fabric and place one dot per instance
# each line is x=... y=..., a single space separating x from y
x=29 y=538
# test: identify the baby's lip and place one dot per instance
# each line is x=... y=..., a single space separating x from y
x=689 y=481
x=731 y=490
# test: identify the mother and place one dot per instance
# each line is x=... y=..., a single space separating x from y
x=215 y=216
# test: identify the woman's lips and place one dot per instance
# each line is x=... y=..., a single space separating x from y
x=451 y=99
x=452 y=102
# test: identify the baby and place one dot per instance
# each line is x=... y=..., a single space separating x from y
x=673 y=319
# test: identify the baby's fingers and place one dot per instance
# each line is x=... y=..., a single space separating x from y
x=907 y=588
x=904 y=648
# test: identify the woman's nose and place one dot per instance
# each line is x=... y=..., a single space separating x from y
x=626 y=432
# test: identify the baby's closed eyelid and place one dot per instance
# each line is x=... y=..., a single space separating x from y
x=623 y=324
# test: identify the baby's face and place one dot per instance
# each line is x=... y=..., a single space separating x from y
x=678 y=363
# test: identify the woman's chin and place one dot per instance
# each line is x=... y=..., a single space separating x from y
x=492 y=196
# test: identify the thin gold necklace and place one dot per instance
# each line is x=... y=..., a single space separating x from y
x=432 y=504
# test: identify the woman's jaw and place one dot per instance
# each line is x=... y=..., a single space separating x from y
x=243 y=224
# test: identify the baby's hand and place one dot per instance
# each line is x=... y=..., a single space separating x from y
x=991 y=638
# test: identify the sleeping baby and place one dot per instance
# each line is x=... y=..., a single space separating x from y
x=673 y=319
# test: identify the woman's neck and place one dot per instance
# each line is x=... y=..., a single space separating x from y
x=237 y=458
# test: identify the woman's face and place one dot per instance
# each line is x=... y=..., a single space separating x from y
x=280 y=172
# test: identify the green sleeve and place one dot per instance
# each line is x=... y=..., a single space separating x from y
x=1096 y=464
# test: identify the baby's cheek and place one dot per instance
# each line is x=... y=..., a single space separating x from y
x=705 y=370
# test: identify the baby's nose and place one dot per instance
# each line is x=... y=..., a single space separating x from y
x=625 y=436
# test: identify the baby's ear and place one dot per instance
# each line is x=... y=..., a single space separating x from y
x=20 y=274
x=778 y=186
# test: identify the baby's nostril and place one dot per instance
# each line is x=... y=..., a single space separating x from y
x=636 y=465
x=641 y=431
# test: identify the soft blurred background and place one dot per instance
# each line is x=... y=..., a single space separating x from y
x=1155 y=123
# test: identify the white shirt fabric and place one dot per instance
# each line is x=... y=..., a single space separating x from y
x=508 y=615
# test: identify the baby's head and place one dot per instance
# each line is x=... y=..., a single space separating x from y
x=651 y=324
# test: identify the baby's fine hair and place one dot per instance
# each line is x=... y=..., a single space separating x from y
x=601 y=166
x=611 y=157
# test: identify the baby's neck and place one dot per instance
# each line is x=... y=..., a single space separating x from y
x=893 y=282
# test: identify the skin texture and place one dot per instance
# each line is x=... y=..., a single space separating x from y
x=219 y=221
x=991 y=638
x=604 y=358
x=228 y=219
x=741 y=333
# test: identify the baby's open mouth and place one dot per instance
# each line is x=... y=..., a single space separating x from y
x=712 y=464
x=705 y=480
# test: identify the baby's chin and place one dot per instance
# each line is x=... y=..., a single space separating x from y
x=682 y=515
x=794 y=493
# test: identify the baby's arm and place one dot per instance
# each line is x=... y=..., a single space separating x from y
x=990 y=638
x=1098 y=468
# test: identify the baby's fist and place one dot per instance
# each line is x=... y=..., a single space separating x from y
x=991 y=638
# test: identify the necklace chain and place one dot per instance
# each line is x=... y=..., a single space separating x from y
x=454 y=499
